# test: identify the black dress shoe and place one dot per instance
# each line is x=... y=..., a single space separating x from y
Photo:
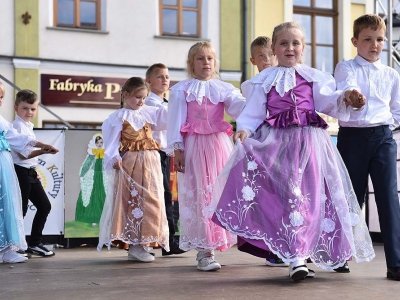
x=343 y=269
x=393 y=273
x=173 y=249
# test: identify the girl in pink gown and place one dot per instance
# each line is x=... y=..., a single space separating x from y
x=200 y=136
x=286 y=189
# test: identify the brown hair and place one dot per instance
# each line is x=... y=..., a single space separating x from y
x=153 y=68
x=2 y=87
x=27 y=96
x=194 y=50
x=261 y=41
x=131 y=85
x=371 y=21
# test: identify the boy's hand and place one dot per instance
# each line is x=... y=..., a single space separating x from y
x=179 y=161
x=48 y=149
x=355 y=99
x=239 y=135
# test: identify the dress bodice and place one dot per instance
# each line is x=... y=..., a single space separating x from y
x=136 y=140
x=294 y=108
x=205 y=118
x=3 y=142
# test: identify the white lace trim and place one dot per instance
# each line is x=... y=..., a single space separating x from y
x=136 y=118
x=284 y=79
x=111 y=162
x=29 y=148
x=198 y=89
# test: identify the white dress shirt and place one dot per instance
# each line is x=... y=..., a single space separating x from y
x=159 y=136
x=25 y=128
x=380 y=86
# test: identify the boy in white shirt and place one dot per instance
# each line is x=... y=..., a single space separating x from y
x=26 y=105
x=157 y=78
x=365 y=141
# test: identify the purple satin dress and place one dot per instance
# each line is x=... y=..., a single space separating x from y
x=286 y=189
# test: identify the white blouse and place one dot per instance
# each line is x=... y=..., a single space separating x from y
x=193 y=89
x=327 y=99
x=112 y=128
x=20 y=143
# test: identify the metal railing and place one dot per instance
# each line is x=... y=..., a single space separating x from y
x=40 y=104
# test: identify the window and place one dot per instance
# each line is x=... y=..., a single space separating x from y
x=319 y=21
x=180 y=17
x=77 y=13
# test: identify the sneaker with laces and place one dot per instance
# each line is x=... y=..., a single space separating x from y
x=137 y=252
x=275 y=262
x=40 y=250
x=206 y=261
x=12 y=257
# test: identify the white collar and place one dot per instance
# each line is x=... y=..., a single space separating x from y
x=28 y=124
x=136 y=118
x=284 y=79
x=197 y=89
x=363 y=62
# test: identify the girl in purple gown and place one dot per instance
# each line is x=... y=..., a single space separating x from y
x=285 y=189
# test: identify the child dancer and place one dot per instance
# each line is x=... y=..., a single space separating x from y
x=262 y=57
x=134 y=210
x=157 y=77
x=200 y=137
x=26 y=106
x=286 y=189
x=12 y=234
x=365 y=141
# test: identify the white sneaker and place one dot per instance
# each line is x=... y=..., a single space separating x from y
x=206 y=261
x=137 y=252
x=12 y=257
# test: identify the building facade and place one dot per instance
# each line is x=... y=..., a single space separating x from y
x=76 y=53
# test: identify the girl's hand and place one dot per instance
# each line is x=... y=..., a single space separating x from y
x=179 y=161
x=117 y=165
x=239 y=135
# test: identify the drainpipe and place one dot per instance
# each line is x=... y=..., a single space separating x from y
x=244 y=41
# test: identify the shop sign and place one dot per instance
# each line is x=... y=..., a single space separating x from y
x=81 y=91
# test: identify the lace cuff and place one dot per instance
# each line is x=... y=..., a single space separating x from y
x=111 y=162
x=175 y=146
x=343 y=110
x=29 y=148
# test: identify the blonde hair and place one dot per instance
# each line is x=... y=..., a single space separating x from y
x=261 y=41
x=287 y=26
x=133 y=84
x=371 y=21
x=203 y=45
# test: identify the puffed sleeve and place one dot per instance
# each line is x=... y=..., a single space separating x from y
x=234 y=102
x=255 y=111
x=395 y=101
x=177 y=115
x=18 y=142
x=328 y=100
x=112 y=138
x=161 y=117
